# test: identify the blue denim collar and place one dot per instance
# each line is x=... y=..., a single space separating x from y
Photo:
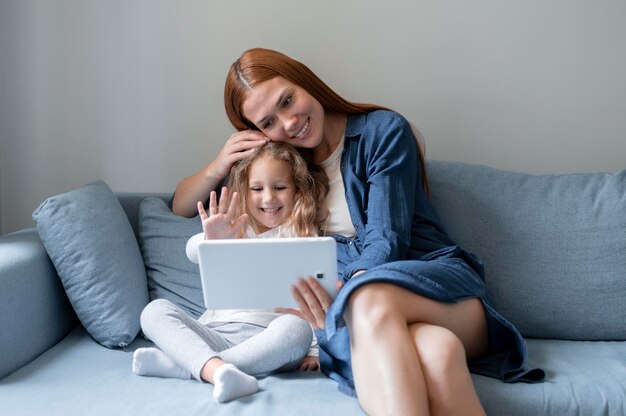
x=356 y=124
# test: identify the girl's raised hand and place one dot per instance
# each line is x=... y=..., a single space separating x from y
x=238 y=146
x=220 y=221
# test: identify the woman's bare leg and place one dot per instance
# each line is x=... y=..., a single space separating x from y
x=449 y=384
x=389 y=376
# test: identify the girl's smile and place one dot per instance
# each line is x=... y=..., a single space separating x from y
x=270 y=192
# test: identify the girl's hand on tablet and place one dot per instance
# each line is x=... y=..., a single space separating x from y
x=220 y=221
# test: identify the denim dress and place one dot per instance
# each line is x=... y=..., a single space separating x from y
x=401 y=241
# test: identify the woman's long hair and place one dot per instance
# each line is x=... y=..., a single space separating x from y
x=258 y=65
x=309 y=212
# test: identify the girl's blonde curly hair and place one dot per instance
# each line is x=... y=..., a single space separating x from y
x=309 y=212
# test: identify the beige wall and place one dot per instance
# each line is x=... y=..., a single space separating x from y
x=130 y=91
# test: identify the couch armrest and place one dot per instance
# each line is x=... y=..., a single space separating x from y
x=35 y=313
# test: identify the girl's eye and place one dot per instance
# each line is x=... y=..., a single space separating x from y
x=256 y=189
x=280 y=187
x=287 y=101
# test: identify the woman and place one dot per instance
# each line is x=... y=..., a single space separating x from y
x=413 y=310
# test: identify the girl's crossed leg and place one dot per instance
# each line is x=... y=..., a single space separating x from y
x=189 y=349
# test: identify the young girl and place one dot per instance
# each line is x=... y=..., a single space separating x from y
x=281 y=196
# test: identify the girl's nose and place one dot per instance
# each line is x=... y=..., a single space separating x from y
x=268 y=195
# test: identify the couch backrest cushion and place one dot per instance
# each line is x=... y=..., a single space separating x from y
x=554 y=246
x=91 y=243
x=162 y=239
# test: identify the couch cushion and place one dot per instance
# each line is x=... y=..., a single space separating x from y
x=78 y=377
x=91 y=243
x=162 y=239
x=554 y=246
x=582 y=378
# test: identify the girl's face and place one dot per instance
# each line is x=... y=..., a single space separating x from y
x=271 y=192
x=285 y=112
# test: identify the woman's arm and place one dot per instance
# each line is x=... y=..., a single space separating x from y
x=198 y=186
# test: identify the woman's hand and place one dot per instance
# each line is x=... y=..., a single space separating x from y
x=220 y=222
x=313 y=302
x=238 y=146
x=196 y=187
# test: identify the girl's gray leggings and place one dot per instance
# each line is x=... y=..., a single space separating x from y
x=255 y=350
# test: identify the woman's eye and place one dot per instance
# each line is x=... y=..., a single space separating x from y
x=268 y=124
x=287 y=101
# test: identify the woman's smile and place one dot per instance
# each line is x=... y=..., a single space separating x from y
x=304 y=129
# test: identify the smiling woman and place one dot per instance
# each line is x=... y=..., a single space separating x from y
x=413 y=315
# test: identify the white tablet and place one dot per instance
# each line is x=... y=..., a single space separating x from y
x=253 y=273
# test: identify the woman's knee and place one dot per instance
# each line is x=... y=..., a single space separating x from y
x=371 y=306
x=438 y=348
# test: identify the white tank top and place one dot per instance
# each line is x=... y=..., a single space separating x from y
x=339 y=221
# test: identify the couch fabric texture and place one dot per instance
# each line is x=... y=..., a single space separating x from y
x=554 y=249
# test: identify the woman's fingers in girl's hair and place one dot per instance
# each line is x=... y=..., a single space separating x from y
x=239 y=145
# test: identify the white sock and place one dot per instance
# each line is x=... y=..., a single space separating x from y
x=231 y=383
x=155 y=363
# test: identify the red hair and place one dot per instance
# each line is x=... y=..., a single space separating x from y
x=258 y=65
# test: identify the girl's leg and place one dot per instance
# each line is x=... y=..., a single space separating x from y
x=385 y=344
x=279 y=347
x=193 y=347
x=186 y=341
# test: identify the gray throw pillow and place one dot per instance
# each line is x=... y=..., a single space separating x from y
x=554 y=246
x=162 y=238
x=92 y=246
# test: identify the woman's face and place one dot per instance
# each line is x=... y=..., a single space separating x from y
x=271 y=191
x=285 y=112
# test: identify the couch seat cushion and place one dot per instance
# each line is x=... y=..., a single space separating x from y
x=79 y=377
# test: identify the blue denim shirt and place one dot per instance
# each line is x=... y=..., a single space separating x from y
x=393 y=218
x=390 y=209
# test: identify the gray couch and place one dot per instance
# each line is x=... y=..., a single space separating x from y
x=554 y=248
